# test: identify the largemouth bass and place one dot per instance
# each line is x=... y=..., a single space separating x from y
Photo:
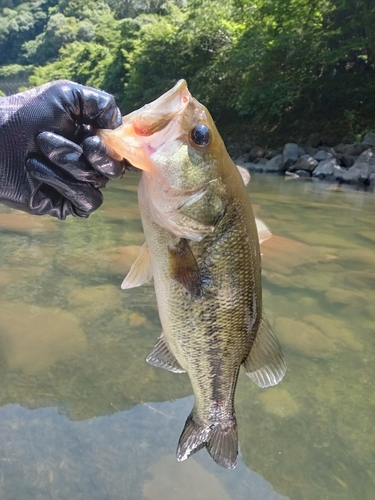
x=202 y=250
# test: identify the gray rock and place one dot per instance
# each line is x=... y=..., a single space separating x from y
x=301 y=151
x=305 y=162
x=359 y=172
x=354 y=149
x=367 y=156
x=340 y=148
x=290 y=154
x=254 y=167
x=348 y=161
x=339 y=172
x=325 y=167
x=323 y=155
x=311 y=151
x=275 y=164
x=302 y=173
x=241 y=160
x=369 y=139
x=255 y=153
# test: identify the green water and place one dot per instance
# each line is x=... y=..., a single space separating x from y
x=83 y=416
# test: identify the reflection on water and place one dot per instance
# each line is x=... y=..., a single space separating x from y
x=83 y=416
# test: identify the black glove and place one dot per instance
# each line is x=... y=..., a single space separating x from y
x=50 y=160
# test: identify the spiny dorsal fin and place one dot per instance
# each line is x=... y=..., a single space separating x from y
x=141 y=270
x=184 y=268
x=265 y=364
x=162 y=357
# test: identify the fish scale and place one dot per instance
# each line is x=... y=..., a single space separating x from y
x=202 y=250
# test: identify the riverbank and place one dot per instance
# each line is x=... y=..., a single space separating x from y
x=351 y=163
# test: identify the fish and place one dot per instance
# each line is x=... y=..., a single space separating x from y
x=202 y=250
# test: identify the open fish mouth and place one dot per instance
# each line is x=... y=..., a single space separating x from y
x=145 y=130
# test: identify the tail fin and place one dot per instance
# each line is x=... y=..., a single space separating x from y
x=219 y=438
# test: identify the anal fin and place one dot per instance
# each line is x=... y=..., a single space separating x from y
x=265 y=364
x=141 y=270
x=162 y=357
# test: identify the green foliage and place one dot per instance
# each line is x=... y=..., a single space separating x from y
x=265 y=60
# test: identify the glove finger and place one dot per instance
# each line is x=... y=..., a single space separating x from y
x=95 y=151
x=83 y=196
x=95 y=107
x=69 y=157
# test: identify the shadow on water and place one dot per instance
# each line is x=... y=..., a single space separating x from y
x=83 y=416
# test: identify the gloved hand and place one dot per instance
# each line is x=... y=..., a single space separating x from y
x=50 y=161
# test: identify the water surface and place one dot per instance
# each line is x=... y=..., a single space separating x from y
x=83 y=416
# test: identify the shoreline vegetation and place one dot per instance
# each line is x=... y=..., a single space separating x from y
x=270 y=72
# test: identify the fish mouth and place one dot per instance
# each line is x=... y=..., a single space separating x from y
x=144 y=130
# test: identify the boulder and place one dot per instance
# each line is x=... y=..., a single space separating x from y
x=275 y=164
x=255 y=153
x=241 y=160
x=369 y=140
x=254 y=167
x=354 y=149
x=367 y=157
x=339 y=172
x=348 y=160
x=305 y=162
x=290 y=154
x=302 y=173
x=322 y=155
x=352 y=174
x=340 y=148
x=325 y=167
x=311 y=151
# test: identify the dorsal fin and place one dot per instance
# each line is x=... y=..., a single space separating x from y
x=265 y=364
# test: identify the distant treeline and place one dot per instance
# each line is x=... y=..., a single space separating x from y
x=265 y=60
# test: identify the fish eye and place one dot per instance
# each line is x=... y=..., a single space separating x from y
x=200 y=135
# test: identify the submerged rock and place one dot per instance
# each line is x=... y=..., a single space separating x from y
x=93 y=301
x=303 y=338
x=335 y=330
x=278 y=402
x=34 y=338
x=190 y=481
x=26 y=224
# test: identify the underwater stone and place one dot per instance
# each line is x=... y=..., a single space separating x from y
x=34 y=338
x=303 y=338
x=278 y=402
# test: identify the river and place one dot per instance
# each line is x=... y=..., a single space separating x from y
x=83 y=416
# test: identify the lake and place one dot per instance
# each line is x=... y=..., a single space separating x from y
x=83 y=416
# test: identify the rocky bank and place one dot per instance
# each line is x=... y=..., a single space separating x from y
x=352 y=163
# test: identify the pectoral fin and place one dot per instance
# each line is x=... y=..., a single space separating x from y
x=245 y=174
x=265 y=364
x=141 y=270
x=184 y=268
x=162 y=357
